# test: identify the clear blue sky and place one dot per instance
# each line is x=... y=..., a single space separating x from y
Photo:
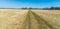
x=29 y=3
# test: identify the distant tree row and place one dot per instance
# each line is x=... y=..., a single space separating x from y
x=55 y=8
x=51 y=8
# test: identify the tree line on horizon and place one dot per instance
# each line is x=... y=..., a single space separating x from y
x=51 y=8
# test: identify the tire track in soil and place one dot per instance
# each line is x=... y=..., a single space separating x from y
x=43 y=24
x=26 y=23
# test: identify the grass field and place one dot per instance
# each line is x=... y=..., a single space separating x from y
x=29 y=19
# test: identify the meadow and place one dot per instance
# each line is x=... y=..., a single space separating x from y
x=29 y=19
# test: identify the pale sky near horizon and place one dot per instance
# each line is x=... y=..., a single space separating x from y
x=29 y=3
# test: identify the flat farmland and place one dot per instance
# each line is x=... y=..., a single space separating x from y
x=51 y=17
x=29 y=19
x=10 y=18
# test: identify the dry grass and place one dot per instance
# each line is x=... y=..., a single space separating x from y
x=51 y=16
x=25 y=19
x=8 y=18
